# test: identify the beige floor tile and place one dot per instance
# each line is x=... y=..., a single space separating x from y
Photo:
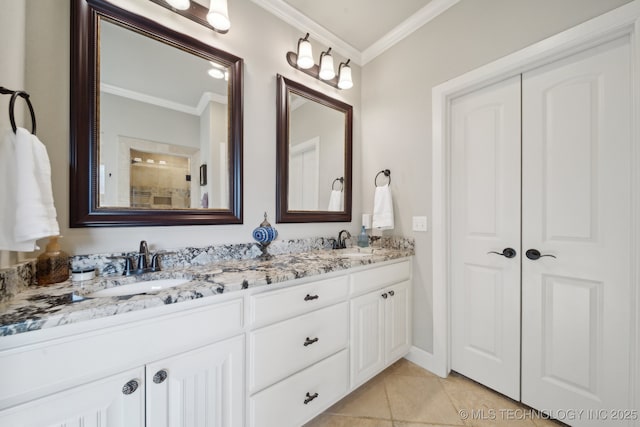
x=406 y=368
x=482 y=407
x=403 y=424
x=328 y=420
x=420 y=399
x=369 y=400
x=547 y=423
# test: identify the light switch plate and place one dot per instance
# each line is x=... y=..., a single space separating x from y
x=419 y=223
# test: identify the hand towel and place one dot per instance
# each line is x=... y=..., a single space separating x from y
x=29 y=213
x=336 y=201
x=383 y=208
x=8 y=196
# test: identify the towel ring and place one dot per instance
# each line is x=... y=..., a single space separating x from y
x=341 y=180
x=12 y=103
x=386 y=173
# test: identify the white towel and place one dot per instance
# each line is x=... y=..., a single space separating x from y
x=336 y=201
x=383 y=208
x=28 y=213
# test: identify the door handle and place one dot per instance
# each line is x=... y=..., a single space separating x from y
x=506 y=252
x=535 y=254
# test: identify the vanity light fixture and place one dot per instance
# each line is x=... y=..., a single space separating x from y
x=179 y=4
x=305 y=54
x=326 y=66
x=344 y=75
x=216 y=16
x=303 y=61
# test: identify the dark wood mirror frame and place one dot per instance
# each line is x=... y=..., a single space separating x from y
x=283 y=214
x=84 y=210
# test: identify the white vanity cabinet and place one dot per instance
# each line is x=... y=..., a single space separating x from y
x=185 y=373
x=380 y=320
x=296 y=349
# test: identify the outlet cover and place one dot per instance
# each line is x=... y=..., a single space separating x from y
x=419 y=223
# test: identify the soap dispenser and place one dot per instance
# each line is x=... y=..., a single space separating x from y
x=363 y=239
x=53 y=264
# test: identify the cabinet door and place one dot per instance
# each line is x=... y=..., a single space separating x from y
x=367 y=336
x=397 y=322
x=116 y=401
x=199 y=388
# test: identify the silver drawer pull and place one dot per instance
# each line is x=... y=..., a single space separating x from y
x=311 y=297
x=310 y=341
x=310 y=397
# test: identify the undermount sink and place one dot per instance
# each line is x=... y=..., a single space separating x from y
x=138 y=288
x=356 y=254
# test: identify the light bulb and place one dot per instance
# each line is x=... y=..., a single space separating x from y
x=344 y=76
x=179 y=4
x=218 y=15
x=216 y=73
x=305 y=55
x=326 y=66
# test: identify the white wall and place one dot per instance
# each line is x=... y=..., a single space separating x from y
x=396 y=103
x=12 y=63
x=258 y=37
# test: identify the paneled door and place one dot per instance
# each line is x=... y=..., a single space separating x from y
x=199 y=388
x=566 y=251
x=485 y=241
x=576 y=209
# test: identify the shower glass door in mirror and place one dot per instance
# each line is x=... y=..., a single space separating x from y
x=163 y=114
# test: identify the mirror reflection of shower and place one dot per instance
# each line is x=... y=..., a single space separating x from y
x=159 y=181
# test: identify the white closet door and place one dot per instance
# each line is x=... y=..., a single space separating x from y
x=485 y=206
x=576 y=206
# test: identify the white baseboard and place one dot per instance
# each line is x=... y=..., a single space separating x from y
x=426 y=361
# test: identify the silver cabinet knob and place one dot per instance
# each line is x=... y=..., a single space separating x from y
x=130 y=387
x=160 y=376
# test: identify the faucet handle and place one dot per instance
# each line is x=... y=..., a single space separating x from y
x=128 y=266
x=143 y=263
x=155 y=262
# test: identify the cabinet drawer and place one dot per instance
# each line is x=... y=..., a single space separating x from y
x=272 y=306
x=378 y=277
x=35 y=370
x=279 y=350
x=283 y=404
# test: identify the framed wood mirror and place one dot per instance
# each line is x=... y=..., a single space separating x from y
x=314 y=155
x=156 y=124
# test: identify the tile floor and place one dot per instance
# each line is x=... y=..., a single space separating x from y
x=405 y=395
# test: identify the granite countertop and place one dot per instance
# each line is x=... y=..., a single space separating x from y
x=46 y=307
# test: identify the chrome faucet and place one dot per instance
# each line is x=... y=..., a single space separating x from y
x=142 y=265
x=342 y=244
x=143 y=256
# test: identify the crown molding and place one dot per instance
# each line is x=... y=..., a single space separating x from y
x=432 y=10
x=318 y=33
x=164 y=103
x=300 y=21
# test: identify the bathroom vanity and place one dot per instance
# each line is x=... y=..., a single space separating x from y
x=252 y=345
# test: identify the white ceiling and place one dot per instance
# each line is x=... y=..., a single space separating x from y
x=357 y=29
x=358 y=22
